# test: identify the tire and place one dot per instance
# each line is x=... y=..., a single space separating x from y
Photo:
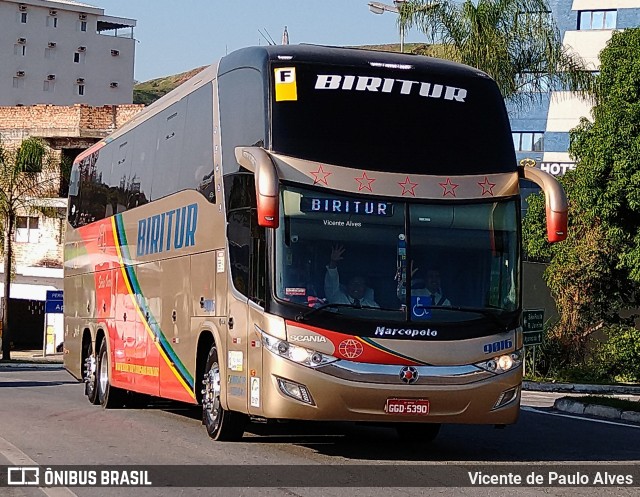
x=418 y=432
x=108 y=396
x=89 y=375
x=221 y=425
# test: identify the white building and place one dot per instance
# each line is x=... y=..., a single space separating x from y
x=64 y=52
x=541 y=132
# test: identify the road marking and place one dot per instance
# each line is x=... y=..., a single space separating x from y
x=18 y=458
x=581 y=418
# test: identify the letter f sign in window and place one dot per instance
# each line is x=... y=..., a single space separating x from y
x=286 y=84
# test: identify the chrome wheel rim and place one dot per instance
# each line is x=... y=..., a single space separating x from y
x=212 y=388
x=104 y=373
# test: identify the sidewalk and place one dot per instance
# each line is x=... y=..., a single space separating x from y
x=33 y=357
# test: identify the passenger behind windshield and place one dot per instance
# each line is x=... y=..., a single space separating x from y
x=356 y=292
x=428 y=284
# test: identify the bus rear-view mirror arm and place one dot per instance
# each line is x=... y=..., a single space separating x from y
x=555 y=202
x=257 y=160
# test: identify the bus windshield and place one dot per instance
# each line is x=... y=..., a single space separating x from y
x=382 y=259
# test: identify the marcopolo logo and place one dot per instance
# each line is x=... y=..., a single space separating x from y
x=389 y=85
x=405 y=332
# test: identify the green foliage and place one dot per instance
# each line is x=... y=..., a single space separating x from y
x=595 y=273
x=516 y=42
x=30 y=155
x=620 y=355
x=625 y=405
x=611 y=358
x=150 y=91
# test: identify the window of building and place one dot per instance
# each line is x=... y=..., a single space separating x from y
x=597 y=19
x=78 y=57
x=48 y=85
x=80 y=89
x=82 y=26
x=50 y=53
x=27 y=229
x=23 y=17
x=20 y=49
x=52 y=22
x=18 y=82
x=528 y=141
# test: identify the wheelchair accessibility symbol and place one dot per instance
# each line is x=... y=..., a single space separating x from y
x=421 y=308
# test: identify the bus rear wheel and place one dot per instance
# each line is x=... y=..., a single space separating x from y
x=418 y=432
x=90 y=376
x=222 y=425
x=109 y=397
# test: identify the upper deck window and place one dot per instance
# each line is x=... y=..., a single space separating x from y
x=378 y=118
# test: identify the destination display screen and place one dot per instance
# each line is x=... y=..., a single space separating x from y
x=322 y=205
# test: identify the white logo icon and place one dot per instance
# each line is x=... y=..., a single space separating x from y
x=23 y=475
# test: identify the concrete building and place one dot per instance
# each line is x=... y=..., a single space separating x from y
x=64 y=52
x=66 y=76
x=541 y=132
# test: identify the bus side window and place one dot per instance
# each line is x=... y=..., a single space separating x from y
x=240 y=199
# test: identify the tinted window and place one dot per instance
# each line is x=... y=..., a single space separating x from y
x=403 y=120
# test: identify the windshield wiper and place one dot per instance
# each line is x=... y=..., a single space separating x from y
x=303 y=316
x=478 y=310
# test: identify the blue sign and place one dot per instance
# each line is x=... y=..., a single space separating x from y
x=420 y=308
x=54 y=303
x=54 y=295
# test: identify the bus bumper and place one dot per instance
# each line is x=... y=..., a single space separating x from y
x=331 y=398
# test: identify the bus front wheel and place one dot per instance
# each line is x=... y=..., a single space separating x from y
x=221 y=424
x=109 y=397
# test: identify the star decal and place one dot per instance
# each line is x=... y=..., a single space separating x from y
x=365 y=182
x=487 y=186
x=449 y=188
x=408 y=186
x=321 y=176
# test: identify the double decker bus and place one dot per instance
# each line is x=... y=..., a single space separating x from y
x=259 y=241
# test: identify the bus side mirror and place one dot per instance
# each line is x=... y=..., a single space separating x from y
x=555 y=202
x=257 y=160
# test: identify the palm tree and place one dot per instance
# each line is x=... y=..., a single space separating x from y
x=516 y=42
x=25 y=176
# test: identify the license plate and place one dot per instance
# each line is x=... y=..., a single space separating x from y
x=407 y=407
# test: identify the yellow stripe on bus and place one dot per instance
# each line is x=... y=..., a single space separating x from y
x=142 y=316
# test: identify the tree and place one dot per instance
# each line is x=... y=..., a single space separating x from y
x=595 y=273
x=25 y=176
x=516 y=42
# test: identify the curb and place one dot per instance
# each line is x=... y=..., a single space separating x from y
x=577 y=407
x=581 y=388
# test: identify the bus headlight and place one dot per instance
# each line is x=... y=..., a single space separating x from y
x=503 y=363
x=295 y=353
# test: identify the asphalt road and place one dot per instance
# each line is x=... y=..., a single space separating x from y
x=45 y=420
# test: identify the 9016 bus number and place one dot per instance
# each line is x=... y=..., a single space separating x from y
x=409 y=407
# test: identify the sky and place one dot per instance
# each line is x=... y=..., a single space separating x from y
x=174 y=36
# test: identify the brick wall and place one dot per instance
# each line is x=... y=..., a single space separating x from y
x=51 y=121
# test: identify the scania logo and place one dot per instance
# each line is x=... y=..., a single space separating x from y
x=409 y=374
